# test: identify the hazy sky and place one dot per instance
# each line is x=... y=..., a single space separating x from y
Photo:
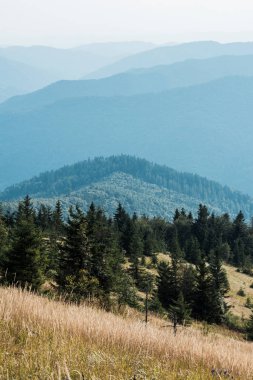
x=72 y=22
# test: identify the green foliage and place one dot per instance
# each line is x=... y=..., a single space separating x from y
x=110 y=259
x=249 y=328
x=135 y=183
x=25 y=261
x=74 y=259
x=179 y=311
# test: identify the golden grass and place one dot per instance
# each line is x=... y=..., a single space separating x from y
x=43 y=339
x=236 y=281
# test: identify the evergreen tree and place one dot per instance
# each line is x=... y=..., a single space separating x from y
x=179 y=311
x=44 y=218
x=57 y=218
x=106 y=257
x=192 y=251
x=201 y=305
x=219 y=287
x=3 y=243
x=249 y=327
x=25 y=262
x=75 y=258
x=201 y=226
x=169 y=281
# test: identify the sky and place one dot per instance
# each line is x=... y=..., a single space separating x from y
x=66 y=23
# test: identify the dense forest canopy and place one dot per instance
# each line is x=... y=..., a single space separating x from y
x=98 y=179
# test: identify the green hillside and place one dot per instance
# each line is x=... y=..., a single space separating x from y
x=139 y=185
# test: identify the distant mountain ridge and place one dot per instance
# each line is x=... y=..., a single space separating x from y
x=141 y=186
x=26 y=69
x=205 y=129
x=141 y=81
x=164 y=55
x=19 y=78
x=72 y=63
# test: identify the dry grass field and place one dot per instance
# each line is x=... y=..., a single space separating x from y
x=239 y=281
x=44 y=339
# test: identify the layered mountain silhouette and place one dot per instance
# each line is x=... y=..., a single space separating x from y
x=205 y=129
x=164 y=55
x=26 y=69
x=141 y=81
x=19 y=78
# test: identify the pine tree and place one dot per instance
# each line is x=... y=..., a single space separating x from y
x=75 y=258
x=201 y=226
x=169 y=281
x=179 y=311
x=57 y=218
x=201 y=305
x=44 y=218
x=192 y=251
x=25 y=263
x=3 y=243
x=249 y=327
x=106 y=257
x=219 y=287
x=163 y=284
x=123 y=225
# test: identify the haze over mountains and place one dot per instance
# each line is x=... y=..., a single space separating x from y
x=193 y=115
x=47 y=64
x=205 y=129
x=165 y=55
x=141 y=81
x=19 y=78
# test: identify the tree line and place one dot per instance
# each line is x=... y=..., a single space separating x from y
x=115 y=260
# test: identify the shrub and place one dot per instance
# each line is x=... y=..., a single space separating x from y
x=241 y=292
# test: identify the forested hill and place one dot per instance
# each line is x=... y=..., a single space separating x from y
x=141 y=186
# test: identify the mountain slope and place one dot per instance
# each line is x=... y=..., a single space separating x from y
x=116 y=50
x=87 y=342
x=18 y=78
x=151 y=80
x=205 y=129
x=71 y=63
x=165 y=55
x=139 y=185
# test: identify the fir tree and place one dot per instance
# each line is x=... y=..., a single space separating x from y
x=25 y=262
x=219 y=287
x=249 y=327
x=57 y=218
x=179 y=311
x=3 y=243
x=201 y=306
x=75 y=257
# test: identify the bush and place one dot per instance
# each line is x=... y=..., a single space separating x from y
x=241 y=292
x=235 y=323
x=248 y=303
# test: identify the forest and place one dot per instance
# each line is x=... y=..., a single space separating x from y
x=102 y=180
x=113 y=261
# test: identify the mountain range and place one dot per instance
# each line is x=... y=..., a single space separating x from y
x=141 y=81
x=141 y=187
x=25 y=69
x=168 y=54
x=204 y=129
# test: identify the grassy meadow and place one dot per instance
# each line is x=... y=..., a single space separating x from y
x=43 y=339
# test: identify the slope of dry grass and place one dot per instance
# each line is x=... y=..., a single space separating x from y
x=43 y=339
x=239 y=280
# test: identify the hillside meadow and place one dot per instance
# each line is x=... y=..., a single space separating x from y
x=47 y=339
